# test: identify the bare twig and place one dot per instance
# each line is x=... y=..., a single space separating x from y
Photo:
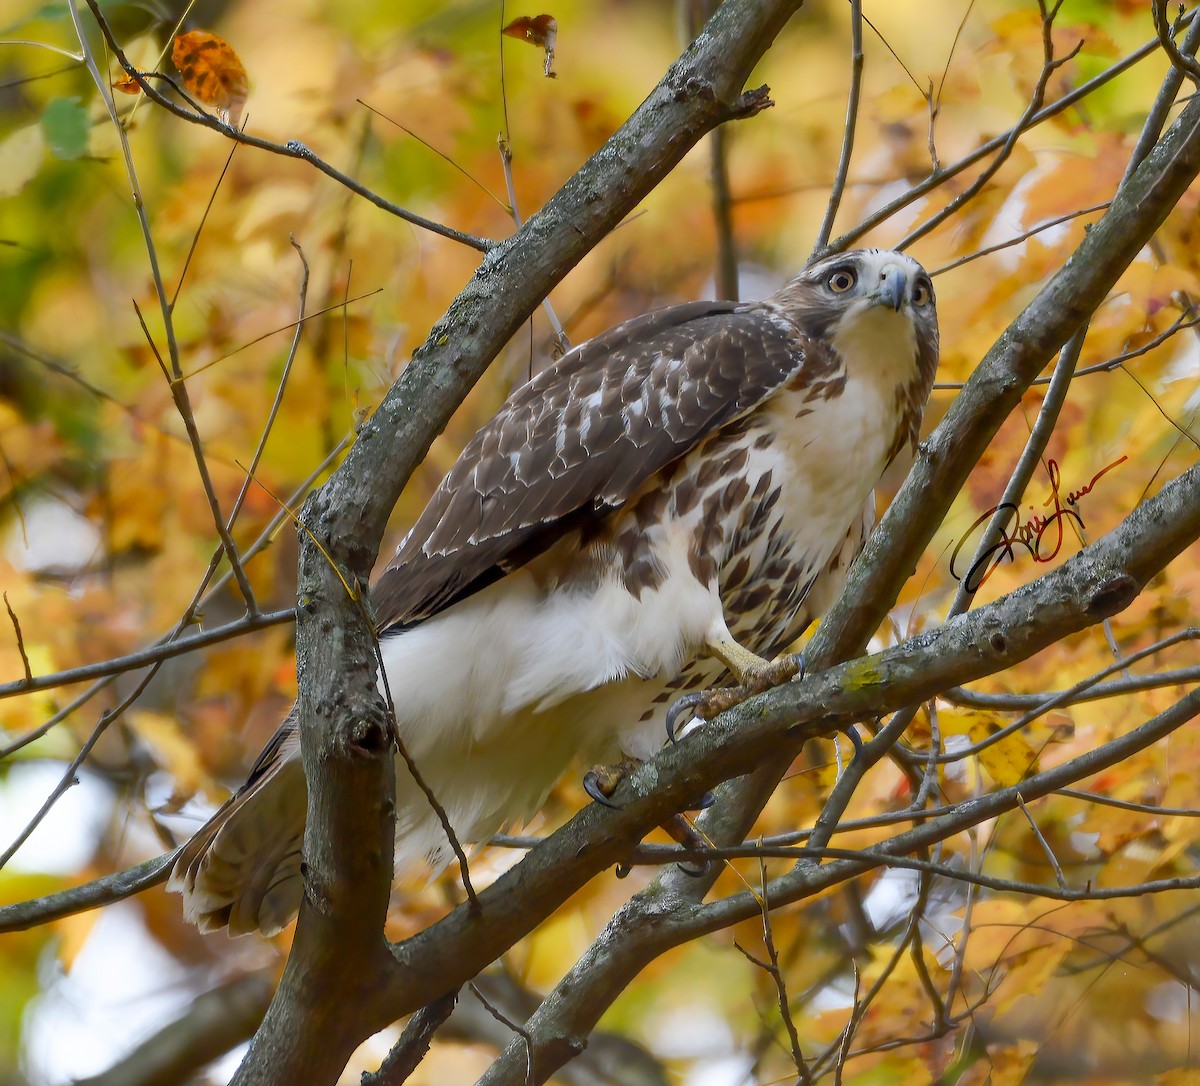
x=940 y=176
x=91 y=895
x=464 y=868
x=1062 y=698
x=408 y=1052
x=504 y=1020
x=1050 y=64
x=291 y=149
x=1046 y=849
x=1008 y=243
x=275 y=404
x=1180 y=59
x=16 y=624
x=68 y=779
x=772 y=968
x=187 y=260
x=564 y=344
x=178 y=389
x=340 y=304
x=722 y=203
x=1181 y=324
x=154 y=654
x=843 y=167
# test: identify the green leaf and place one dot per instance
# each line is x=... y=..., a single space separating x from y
x=66 y=127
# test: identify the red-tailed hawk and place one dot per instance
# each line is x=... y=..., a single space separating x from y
x=673 y=500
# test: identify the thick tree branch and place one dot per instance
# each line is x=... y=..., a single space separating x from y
x=947 y=457
x=338 y=955
x=1096 y=583
x=337 y=950
x=1064 y=304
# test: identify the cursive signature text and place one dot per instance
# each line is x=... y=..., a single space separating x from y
x=1041 y=535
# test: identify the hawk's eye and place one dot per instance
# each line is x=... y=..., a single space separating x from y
x=922 y=292
x=842 y=280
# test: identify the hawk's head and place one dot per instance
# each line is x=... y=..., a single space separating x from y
x=869 y=287
x=873 y=305
x=874 y=310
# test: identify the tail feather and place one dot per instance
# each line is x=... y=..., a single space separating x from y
x=242 y=870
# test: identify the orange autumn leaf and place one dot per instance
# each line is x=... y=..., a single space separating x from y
x=128 y=85
x=212 y=71
x=539 y=30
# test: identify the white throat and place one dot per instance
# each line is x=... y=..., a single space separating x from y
x=877 y=342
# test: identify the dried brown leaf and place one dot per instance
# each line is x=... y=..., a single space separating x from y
x=541 y=30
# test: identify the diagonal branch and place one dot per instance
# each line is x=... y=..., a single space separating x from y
x=291 y=149
x=338 y=955
x=1096 y=583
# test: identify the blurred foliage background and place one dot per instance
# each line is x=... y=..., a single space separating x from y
x=106 y=533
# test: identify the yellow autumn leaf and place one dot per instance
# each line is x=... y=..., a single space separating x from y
x=1007 y=761
x=173 y=751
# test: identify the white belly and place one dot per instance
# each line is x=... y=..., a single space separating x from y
x=503 y=691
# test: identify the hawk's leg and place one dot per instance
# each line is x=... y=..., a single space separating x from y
x=754 y=675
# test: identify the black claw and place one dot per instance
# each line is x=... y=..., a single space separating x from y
x=693 y=869
x=856 y=741
x=801 y=666
x=591 y=785
x=688 y=701
x=704 y=802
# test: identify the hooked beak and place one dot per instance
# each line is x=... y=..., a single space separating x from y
x=891 y=287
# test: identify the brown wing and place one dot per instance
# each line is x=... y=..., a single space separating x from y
x=579 y=439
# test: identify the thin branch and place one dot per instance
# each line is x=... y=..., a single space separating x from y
x=848 y=863
x=1041 y=840
x=839 y=1048
x=1180 y=324
x=464 y=868
x=291 y=149
x=156 y=653
x=338 y=305
x=178 y=389
x=1008 y=243
x=940 y=176
x=722 y=205
x=1180 y=60
x=1050 y=65
x=69 y=779
x=408 y=1052
x=91 y=895
x=838 y=188
x=772 y=968
x=16 y=624
x=187 y=260
x=506 y=208
x=1054 y=702
x=1091 y=688
x=991 y=549
x=564 y=344
x=277 y=402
